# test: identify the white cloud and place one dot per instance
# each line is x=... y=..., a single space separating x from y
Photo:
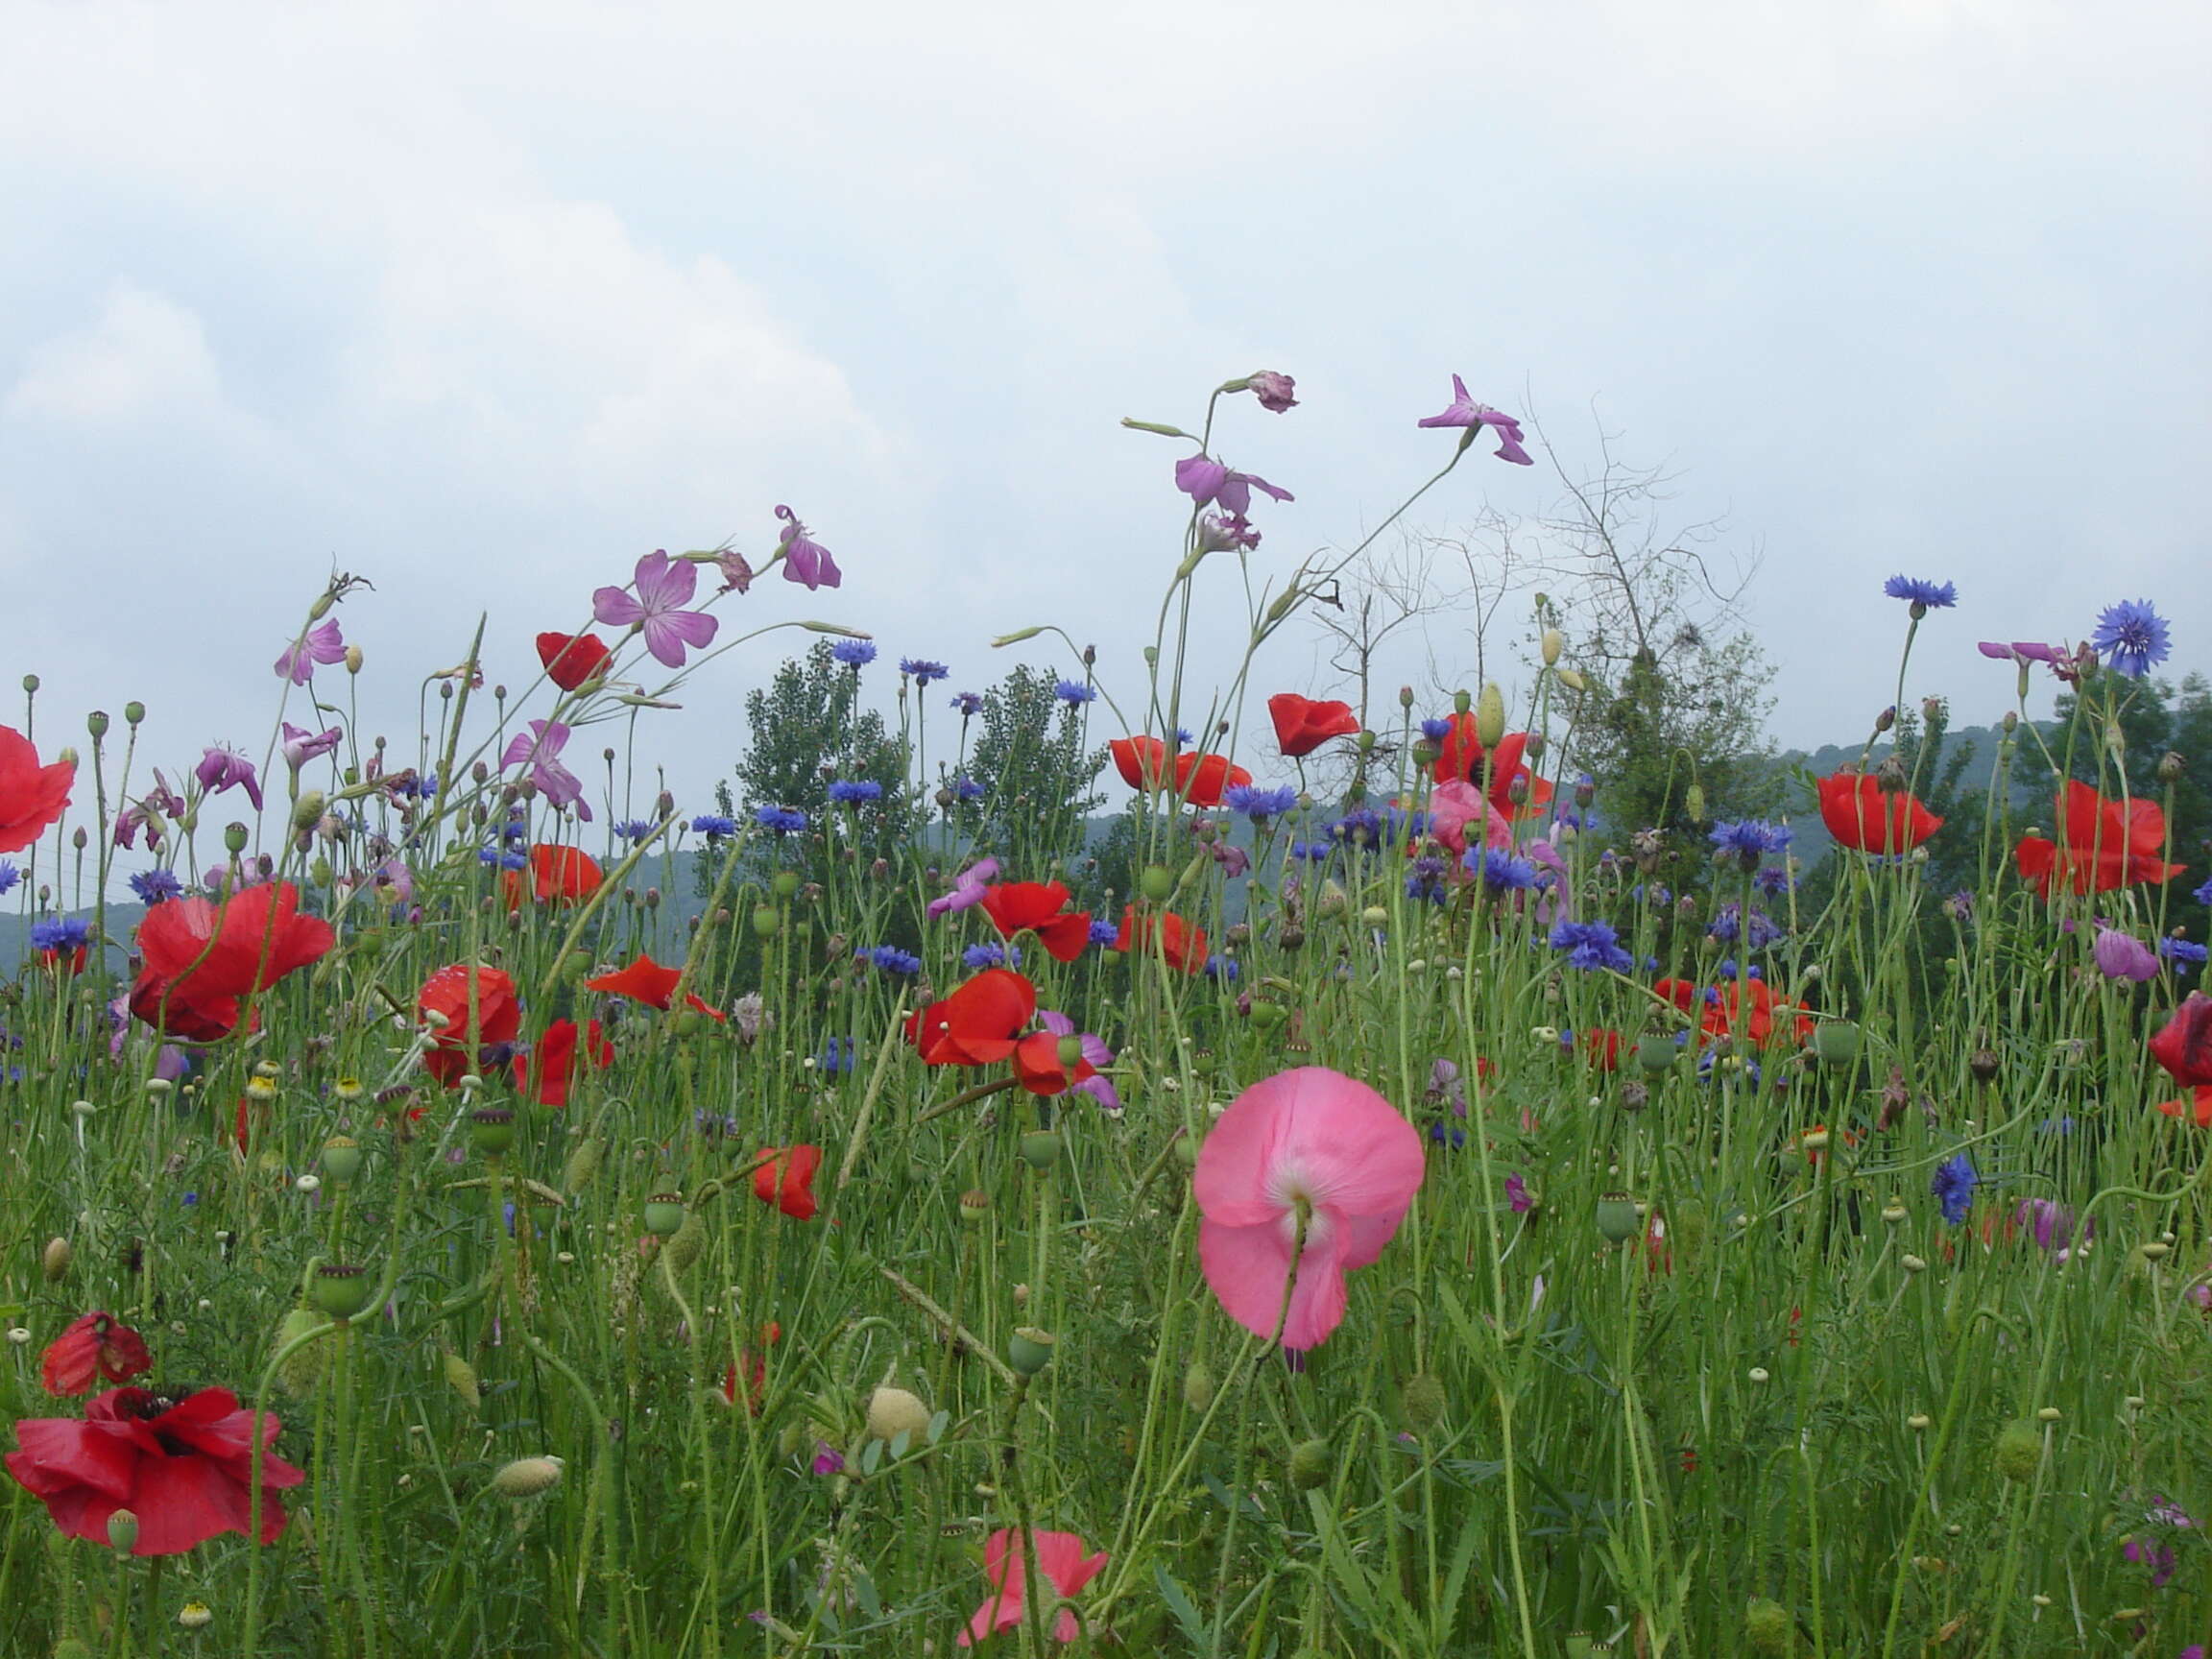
x=144 y=355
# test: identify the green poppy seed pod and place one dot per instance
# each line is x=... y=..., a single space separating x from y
x=1040 y=1149
x=1617 y=1217
x=1656 y=1052
x=975 y=1206
x=893 y=1412
x=122 y=1532
x=1311 y=1464
x=1490 y=716
x=340 y=1158
x=1580 y=1645
x=688 y=1243
x=1423 y=1403
x=492 y=1130
x=31 y=684
x=2019 y=1452
x=527 y=1476
x=1425 y=752
x=1766 y=1626
x=1187 y=1150
x=689 y=1022
x=303 y=1370
x=1835 y=1042
x=1030 y=1350
x=54 y=1259
x=1268 y=1015
x=308 y=808
x=1071 y=1051
x=665 y=1213
x=582 y=1164
x=1156 y=883
x=1555 y=642
x=461 y=1378
x=96 y=722
x=784 y=884
x=234 y=838
x=1462 y=701
x=1365 y=742
x=133 y=713
x=1197 y=1387
x=1694 y=804
x=767 y=921
x=339 y=1292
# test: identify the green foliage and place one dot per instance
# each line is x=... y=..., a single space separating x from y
x=1652 y=730
x=1030 y=759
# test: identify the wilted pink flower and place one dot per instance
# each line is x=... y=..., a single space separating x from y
x=540 y=749
x=1220 y=533
x=2050 y=1222
x=1207 y=482
x=301 y=746
x=736 y=573
x=1273 y=390
x=1233 y=859
x=318 y=644
x=969 y=889
x=138 y=816
x=1307 y=1147
x=2124 y=956
x=1454 y=806
x=804 y=558
x=222 y=768
x=664 y=587
x=1466 y=412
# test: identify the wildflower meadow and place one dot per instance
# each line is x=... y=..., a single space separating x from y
x=1138 y=1159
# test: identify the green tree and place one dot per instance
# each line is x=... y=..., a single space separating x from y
x=1029 y=776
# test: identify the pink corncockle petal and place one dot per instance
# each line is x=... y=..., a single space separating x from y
x=664 y=586
x=324 y=643
x=615 y=607
x=666 y=636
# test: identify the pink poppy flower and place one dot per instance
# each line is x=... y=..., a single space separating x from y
x=1005 y=1563
x=1313 y=1141
x=664 y=587
x=1455 y=806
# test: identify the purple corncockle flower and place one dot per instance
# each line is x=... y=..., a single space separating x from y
x=1517 y=1198
x=318 y=644
x=1094 y=1050
x=1444 y=1084
x=222 y=768
x=828 y=1460
x=967 y=888
x=1274 y=391
x=804 y=558
x=664 y=587
x=301 y=745
x=1466 y=412
x=540 y=749
x=395 y=881
x=2124 y=956
x=1208 y=483
x=2020 y=650
x=2050 y=1222
x=139 y=815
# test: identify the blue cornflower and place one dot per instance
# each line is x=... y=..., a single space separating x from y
x=632 y=829
x=1925 y=596
x=1427 y=879
x=967 y=790
x=1591 y=946
x=1222 y=968
x=967 y=703
x=1500 y=870
x=1183 y=738
x=714 y=823
x=1074 y=693
x=1436 y=730
x=782 y=820
x=855 y=654
x=1260 y=804
x=1773 y=880
x=1755 y=928
x=10 y=876
x=1954 y=1187
x=156 y=885
x=1312 y=852
x=60 y=933
x=921 y=671
x=837 y=1056
x=2131 y=638
x=419 y=788
x=992 y=955
x=1362 y=827
x=891 y=959
x=1447 y=1136
x=850 y=790
x=2203 y=894
x=1750 y=841
x=1104 y=932
x=503 y=858
x=2184 y=953
x=1729 y=969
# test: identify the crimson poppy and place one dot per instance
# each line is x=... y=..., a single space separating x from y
x=1461 y=757
x=1038 y=906
x=572 y=660
x=95 y=1345
x=184 y=1467
x=646 y=981
x=1040 y=1069
x=547 y=1072
x=1863 y=816
x=2102 y=844
x=1601 y=1043
x=1303 y=726
x=446 y=992
x=32 y=796
x=566 y=874
x=200 y=959
x=1181 y=943
x=2184 y=1045
x=978 y=1025
x=785 y=1178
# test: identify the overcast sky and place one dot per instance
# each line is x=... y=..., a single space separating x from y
x=485 y=301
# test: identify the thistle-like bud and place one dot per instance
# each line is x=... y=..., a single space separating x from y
x=461 y=1378
x=582 y=1164
x=893 y=1412
x=527 y=1476
x=1423 y=1402
x=304 y=1369
x=688 y=1241
x=2019 y=1452
x=1311 y=1464
x=1197 y=1387
x=1694 y=804
x=53 y=1261
x=1767 y=1626
x=2172 y=768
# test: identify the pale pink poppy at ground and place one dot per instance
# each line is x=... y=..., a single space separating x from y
x=1313 y=1139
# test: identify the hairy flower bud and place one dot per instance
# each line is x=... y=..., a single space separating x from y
x=894 y=1411
x=1555 y=642
x=2019 y=1450
x=527 y=1476
x=1490 y=716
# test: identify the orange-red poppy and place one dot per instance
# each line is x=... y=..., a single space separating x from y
x=572 y=660
x=1863 y=816
x=1041 y=1070
x=1180 y=942
x=979 y=1024
x=2102 y=844
x=556 y=874
x=498 y=1016
x=1302 y=726
x=548 y=1071
x=785 y=1178
x=1040 y=907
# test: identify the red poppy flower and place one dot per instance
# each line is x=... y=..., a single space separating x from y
x=2197 y=1108
x=1182 y=944
x=1037 y=906
x=978 y=1025
x=200 y=958
x=2102 y=844
x=1461 y=755
x=1748 y=1010
x=645 y=980
x=572 y=660
x=786 y=1179
x=1601 y=1043
x=1039 y=1067
x=94 y=1346
x=32 y=796
x=65 y=963
x=546 y=1072
x=446 y=992
x=184 y=1467
x=1859 y=814
x=1200 y=779
x=2184 y=1045
x=755 y=1364
x=566 y=874
x=1142 y=761
x=1302 y=726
